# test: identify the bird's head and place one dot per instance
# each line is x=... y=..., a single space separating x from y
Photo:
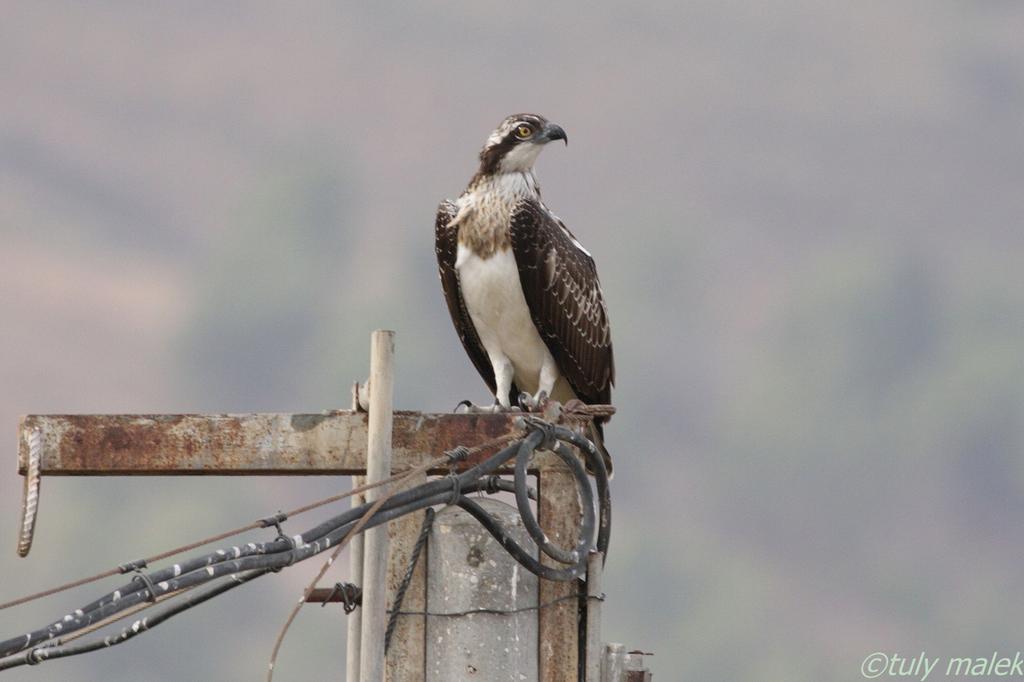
x=515 y=144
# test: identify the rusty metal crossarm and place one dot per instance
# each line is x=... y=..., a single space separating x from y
x=242 y=444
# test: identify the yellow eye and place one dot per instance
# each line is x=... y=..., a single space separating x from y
x=523 y=132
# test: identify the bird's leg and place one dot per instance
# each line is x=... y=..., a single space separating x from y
x=503 y=379
x=503 y=372
x=545 y=385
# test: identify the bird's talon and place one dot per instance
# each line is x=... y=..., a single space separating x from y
x=541 y=400
x=533 y=403
x=469 y=407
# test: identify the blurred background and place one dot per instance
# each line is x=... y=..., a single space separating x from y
x=808 y=224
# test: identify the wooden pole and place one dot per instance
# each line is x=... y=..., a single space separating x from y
x=378 y=467
x=355 y=619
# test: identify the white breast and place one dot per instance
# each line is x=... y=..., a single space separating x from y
x=495 y=301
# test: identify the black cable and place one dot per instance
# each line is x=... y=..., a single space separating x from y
x=596 y=461
x=279 y=553
x=282 y=545
x=576 y=555
x=272 y=555
x=254 y=559
x=47 y=653
x=495 y=528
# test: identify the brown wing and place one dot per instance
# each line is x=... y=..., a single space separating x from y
x=446 y=245
x=564 y=296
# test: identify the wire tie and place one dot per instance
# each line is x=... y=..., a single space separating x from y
x=130 y=566
x=276 y=520
x=291 y=550
x=492 y=484
x=148 y=582
x=456 y=488
x=31 y=659
x=291 y=547
x=351 y=596
x=330 y=595
x=544 y=427
x=457 y=454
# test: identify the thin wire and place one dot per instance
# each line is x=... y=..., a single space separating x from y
x=502 y=612
x=192 y=545
x=396 y=483
x=363 y=520
x=121 y=616
x=404 y=504
x=261 y=556
x=405 y=477
x=100 y=624
x=39 y=654
x=243 y=529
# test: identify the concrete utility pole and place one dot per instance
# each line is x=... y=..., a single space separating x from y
x=469 y=571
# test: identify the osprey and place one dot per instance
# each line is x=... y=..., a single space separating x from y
x=522 y=291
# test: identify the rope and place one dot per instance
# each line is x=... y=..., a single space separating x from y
x=577 y=411
x=31 y=493
x=403 y=587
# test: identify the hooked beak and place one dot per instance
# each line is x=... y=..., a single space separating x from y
x=553 y=131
